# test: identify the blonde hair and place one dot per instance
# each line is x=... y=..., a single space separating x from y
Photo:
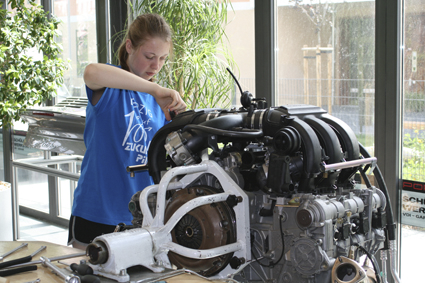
x=145 y=26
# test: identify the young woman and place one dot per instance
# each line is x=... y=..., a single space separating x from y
x=124 y=111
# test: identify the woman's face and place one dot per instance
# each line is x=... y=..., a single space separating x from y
x=148 y=59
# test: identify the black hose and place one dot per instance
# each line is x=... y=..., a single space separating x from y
x=391 y=226
x=374 y=263
x=236 y=81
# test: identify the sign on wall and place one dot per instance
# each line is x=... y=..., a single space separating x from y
x=413 y=203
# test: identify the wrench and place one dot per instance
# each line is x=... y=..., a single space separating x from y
x=69 y=278
x=12 y=251
x=21 y=260
x=35 y=281
x=50 y=259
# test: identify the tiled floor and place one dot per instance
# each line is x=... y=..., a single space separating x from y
x=31 y=229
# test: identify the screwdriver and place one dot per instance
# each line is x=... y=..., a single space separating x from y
x=87 y=277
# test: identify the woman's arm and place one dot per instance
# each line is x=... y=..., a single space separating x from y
x=99 y=76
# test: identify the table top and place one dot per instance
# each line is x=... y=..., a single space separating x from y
x=54 y=250
x=42 y=273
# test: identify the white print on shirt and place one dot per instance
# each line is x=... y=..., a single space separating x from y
x=142 y=108
x=137 y=147
x=142 y=158
x=136 y=132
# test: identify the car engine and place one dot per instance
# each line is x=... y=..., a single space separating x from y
x=255 y=194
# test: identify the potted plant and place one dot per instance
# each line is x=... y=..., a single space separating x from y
x=197 y=67
x=31 y=68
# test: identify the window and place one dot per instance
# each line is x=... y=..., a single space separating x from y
x=240 y=32
x=78 y=38
x=326 y=55
x=413 y=154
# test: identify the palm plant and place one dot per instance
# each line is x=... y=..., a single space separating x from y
x=197 y=67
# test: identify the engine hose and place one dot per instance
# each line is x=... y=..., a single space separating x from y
x=226 y=133
x=391 y=227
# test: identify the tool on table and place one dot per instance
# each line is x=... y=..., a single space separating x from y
x=35 y=281
x=14 y=262
x=69 y=278
x=84 y=271
x=21 y=260
x=8 y=272
x=12 y=251
x=83 y=268
x=51 y=259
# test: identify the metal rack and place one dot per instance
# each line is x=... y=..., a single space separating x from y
x=41 y=166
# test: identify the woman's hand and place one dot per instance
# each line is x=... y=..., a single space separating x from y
x=97 y=76
x=169 y=100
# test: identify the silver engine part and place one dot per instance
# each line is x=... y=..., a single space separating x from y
x=257 y=195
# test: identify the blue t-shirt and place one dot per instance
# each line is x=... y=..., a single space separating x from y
x=118 y=132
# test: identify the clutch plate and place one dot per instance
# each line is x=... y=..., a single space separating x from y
x=205 y=227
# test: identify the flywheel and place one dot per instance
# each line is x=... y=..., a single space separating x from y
x=205 y=227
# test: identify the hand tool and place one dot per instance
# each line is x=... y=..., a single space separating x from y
x=84 y=277
x=84 y=271
x=21 y=260
x=12 y=251
x=82 y=268
x=51 y=259
x=8 y=272
x=69 y=278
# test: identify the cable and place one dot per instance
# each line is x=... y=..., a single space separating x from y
x=240 y=89
x=272 y=264
x=374 y=263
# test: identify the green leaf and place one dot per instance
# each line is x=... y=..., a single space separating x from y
x=195 y=69
x=23 y=80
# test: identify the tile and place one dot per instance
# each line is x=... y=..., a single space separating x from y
x=31 y=229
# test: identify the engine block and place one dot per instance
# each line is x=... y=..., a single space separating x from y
x=314 y=230
x=274 y=194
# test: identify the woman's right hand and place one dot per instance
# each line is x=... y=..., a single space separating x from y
x=98 y=76
x=170 y=101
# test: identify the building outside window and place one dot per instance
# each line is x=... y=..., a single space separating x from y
x=413 y=155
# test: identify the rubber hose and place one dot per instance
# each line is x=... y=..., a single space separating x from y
x=391 y=227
